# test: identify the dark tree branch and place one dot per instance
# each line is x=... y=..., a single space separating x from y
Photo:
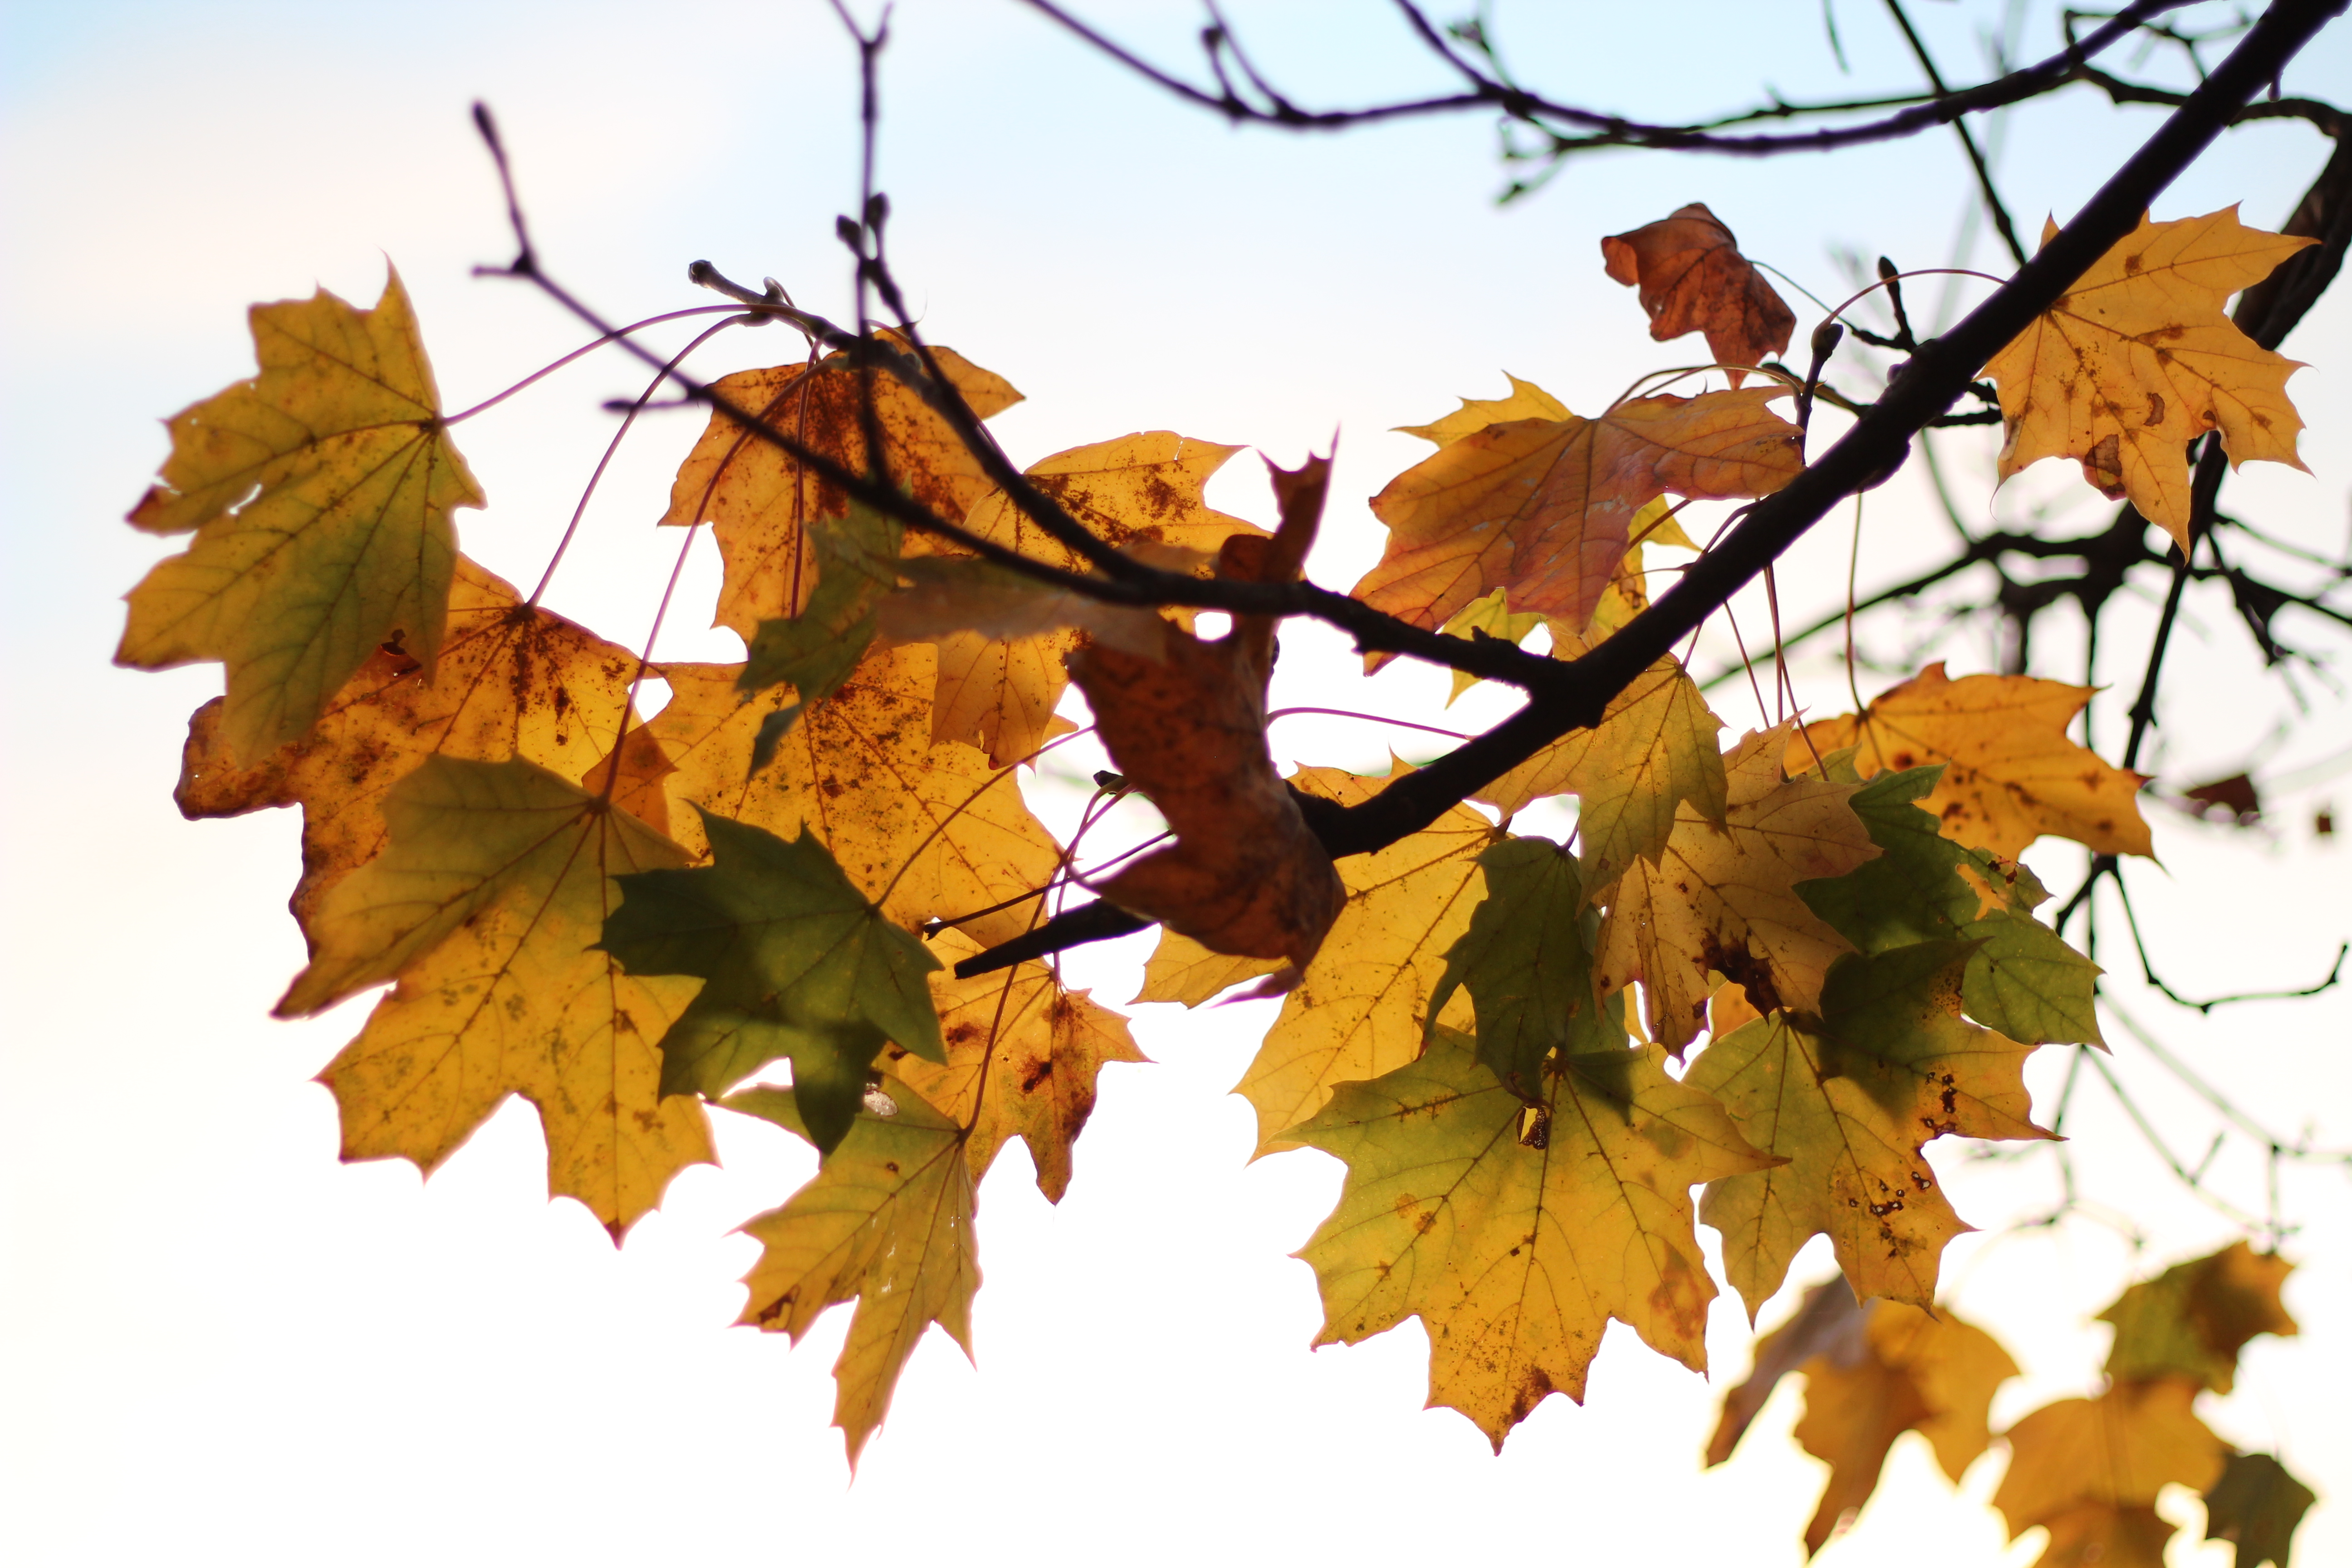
x=1864 y=457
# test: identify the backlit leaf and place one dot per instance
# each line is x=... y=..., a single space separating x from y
x=760 y=502
x=1850 y=1102
x=2083 y=1466
x=2256 y=1506
x=2193 y=1320
x=886 y=1222
x=2136 y=360
x=1526 y=961
x=1543 y=506
x=1692 y=278
x=1516 y=1234
x=321 y=493
x=485 y=906
x=2009 y=773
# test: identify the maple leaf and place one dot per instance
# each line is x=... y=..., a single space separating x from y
x=1140 y=493
x=1828 y=1323
x=2256 y=1506
x=929 y=832
x=1527 y=401
x=1692 y=278
x=496 y=880
x=320 y=493
x=513 y=681
x=1187 y=728
x=1181 y=969
x=1031 y=1046
x=1850 y=1100
x=1652 y=752
x=781 y=937
x=2009 y=773
x=1488 y=618
x=2091 y=1469
x=1515 y=1233
x=1723 y=899
x=1931 y=1374
x=1361 y=1010
x=2022 y=979
x=1527 y=960
x=2136 y=361
x=760 y=501
x=885 y=1221
x=2193 y=1320
x=1543 y=507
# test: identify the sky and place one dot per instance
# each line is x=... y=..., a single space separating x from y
x=218 y=1341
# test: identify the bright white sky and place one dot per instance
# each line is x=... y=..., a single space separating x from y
x=216 y=1342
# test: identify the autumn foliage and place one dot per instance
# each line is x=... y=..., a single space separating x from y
x=1767 y=974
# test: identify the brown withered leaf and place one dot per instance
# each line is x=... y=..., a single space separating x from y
x=2136 y=361
x=1723 y=899
x=1141 y=492
x=1245 y=875
x=1544 y=508
x=759 y=501
x=1692 y=279
x=1040 y=1046
x=513 y=681
x=2009 y=773
x=928 y=831
x=1359 y=1011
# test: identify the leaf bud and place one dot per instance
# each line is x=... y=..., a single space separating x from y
x=1826 y=337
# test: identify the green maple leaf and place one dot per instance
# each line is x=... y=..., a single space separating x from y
x=2022 y=979
x=2256 y=1505
x=816 y=651
x=886 y=1222
x=1848 y=1099
x=1515 y=1232
x=1527 y=961
x=798 y=963
x=2193 y=1320
x=320 y=493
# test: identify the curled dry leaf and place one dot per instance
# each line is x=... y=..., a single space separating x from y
x=513 y=681
x=760 y=501
x=2136 y=361
x=320 y=493
x=1692 y=279
x=1544 y=508
x=1187 y=728
x=1515 y=1233
x=2009 y=773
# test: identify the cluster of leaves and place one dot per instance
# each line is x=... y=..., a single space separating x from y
x=628 y=921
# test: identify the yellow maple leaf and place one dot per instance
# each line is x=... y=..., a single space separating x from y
x=2136 y=360
x=1040 y=1046
x=886 y=1223
x=2009 y=773
x=1359 y=1013
x=2071 y=1459
x=1514 y=1232
x=1139 y=491
x=1850 y=1097
x=320 y=493
x=513 y=681
x=1931 y=1374
x=760 y=501
x=1527 y=401
x=1652 y=752
x=1181 y=969
x=928 y=831
x=484 y=907
x=1544 y=508
x=2193 y=1320
x=1722 y=900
